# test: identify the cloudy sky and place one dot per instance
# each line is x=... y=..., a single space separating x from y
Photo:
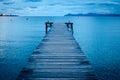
x=58 y=7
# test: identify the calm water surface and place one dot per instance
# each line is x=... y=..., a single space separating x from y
x=99 y=38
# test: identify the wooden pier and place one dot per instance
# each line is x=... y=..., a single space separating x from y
x=58 y=57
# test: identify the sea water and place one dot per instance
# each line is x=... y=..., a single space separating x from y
x=99 y=38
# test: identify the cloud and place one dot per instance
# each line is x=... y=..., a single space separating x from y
x=53 y=4
x=108 y=3
x=1 y=0
x=8 y=3
x=33 y=0
x=58 y=7
x=17 y=8
x=33 y=7
x=2 y=9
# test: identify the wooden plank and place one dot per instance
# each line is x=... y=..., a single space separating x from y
x=58 y=57
x=62 y=79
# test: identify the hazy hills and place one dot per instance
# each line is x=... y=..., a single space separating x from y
x=91 y=14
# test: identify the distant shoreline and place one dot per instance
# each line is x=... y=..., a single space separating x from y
x=7 y=15
x=92 y=14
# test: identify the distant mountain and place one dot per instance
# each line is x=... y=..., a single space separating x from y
x=92 y=14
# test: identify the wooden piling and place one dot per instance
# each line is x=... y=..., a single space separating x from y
x=70 y=26
x=48 y=25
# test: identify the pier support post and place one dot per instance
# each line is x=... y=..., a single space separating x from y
x=70 y=25
x=47 y=25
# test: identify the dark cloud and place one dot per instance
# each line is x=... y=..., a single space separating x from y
x=63 y=4
x=53 y=4
x=2 y=9
x=33 y=0
x=8 y=3
x=17 y=8
x=104 y=4
x=33 y=7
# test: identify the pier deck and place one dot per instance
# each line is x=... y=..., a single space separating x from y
x=58 y=57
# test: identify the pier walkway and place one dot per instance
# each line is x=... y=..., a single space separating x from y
x=58 y=57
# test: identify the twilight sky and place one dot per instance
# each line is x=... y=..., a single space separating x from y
x=58 y=7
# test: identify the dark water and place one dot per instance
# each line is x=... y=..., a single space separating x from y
x=99 y=37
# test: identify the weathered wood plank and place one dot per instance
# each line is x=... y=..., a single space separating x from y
x=62 y=79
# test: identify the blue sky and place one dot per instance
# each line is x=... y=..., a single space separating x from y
x=58 y=7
